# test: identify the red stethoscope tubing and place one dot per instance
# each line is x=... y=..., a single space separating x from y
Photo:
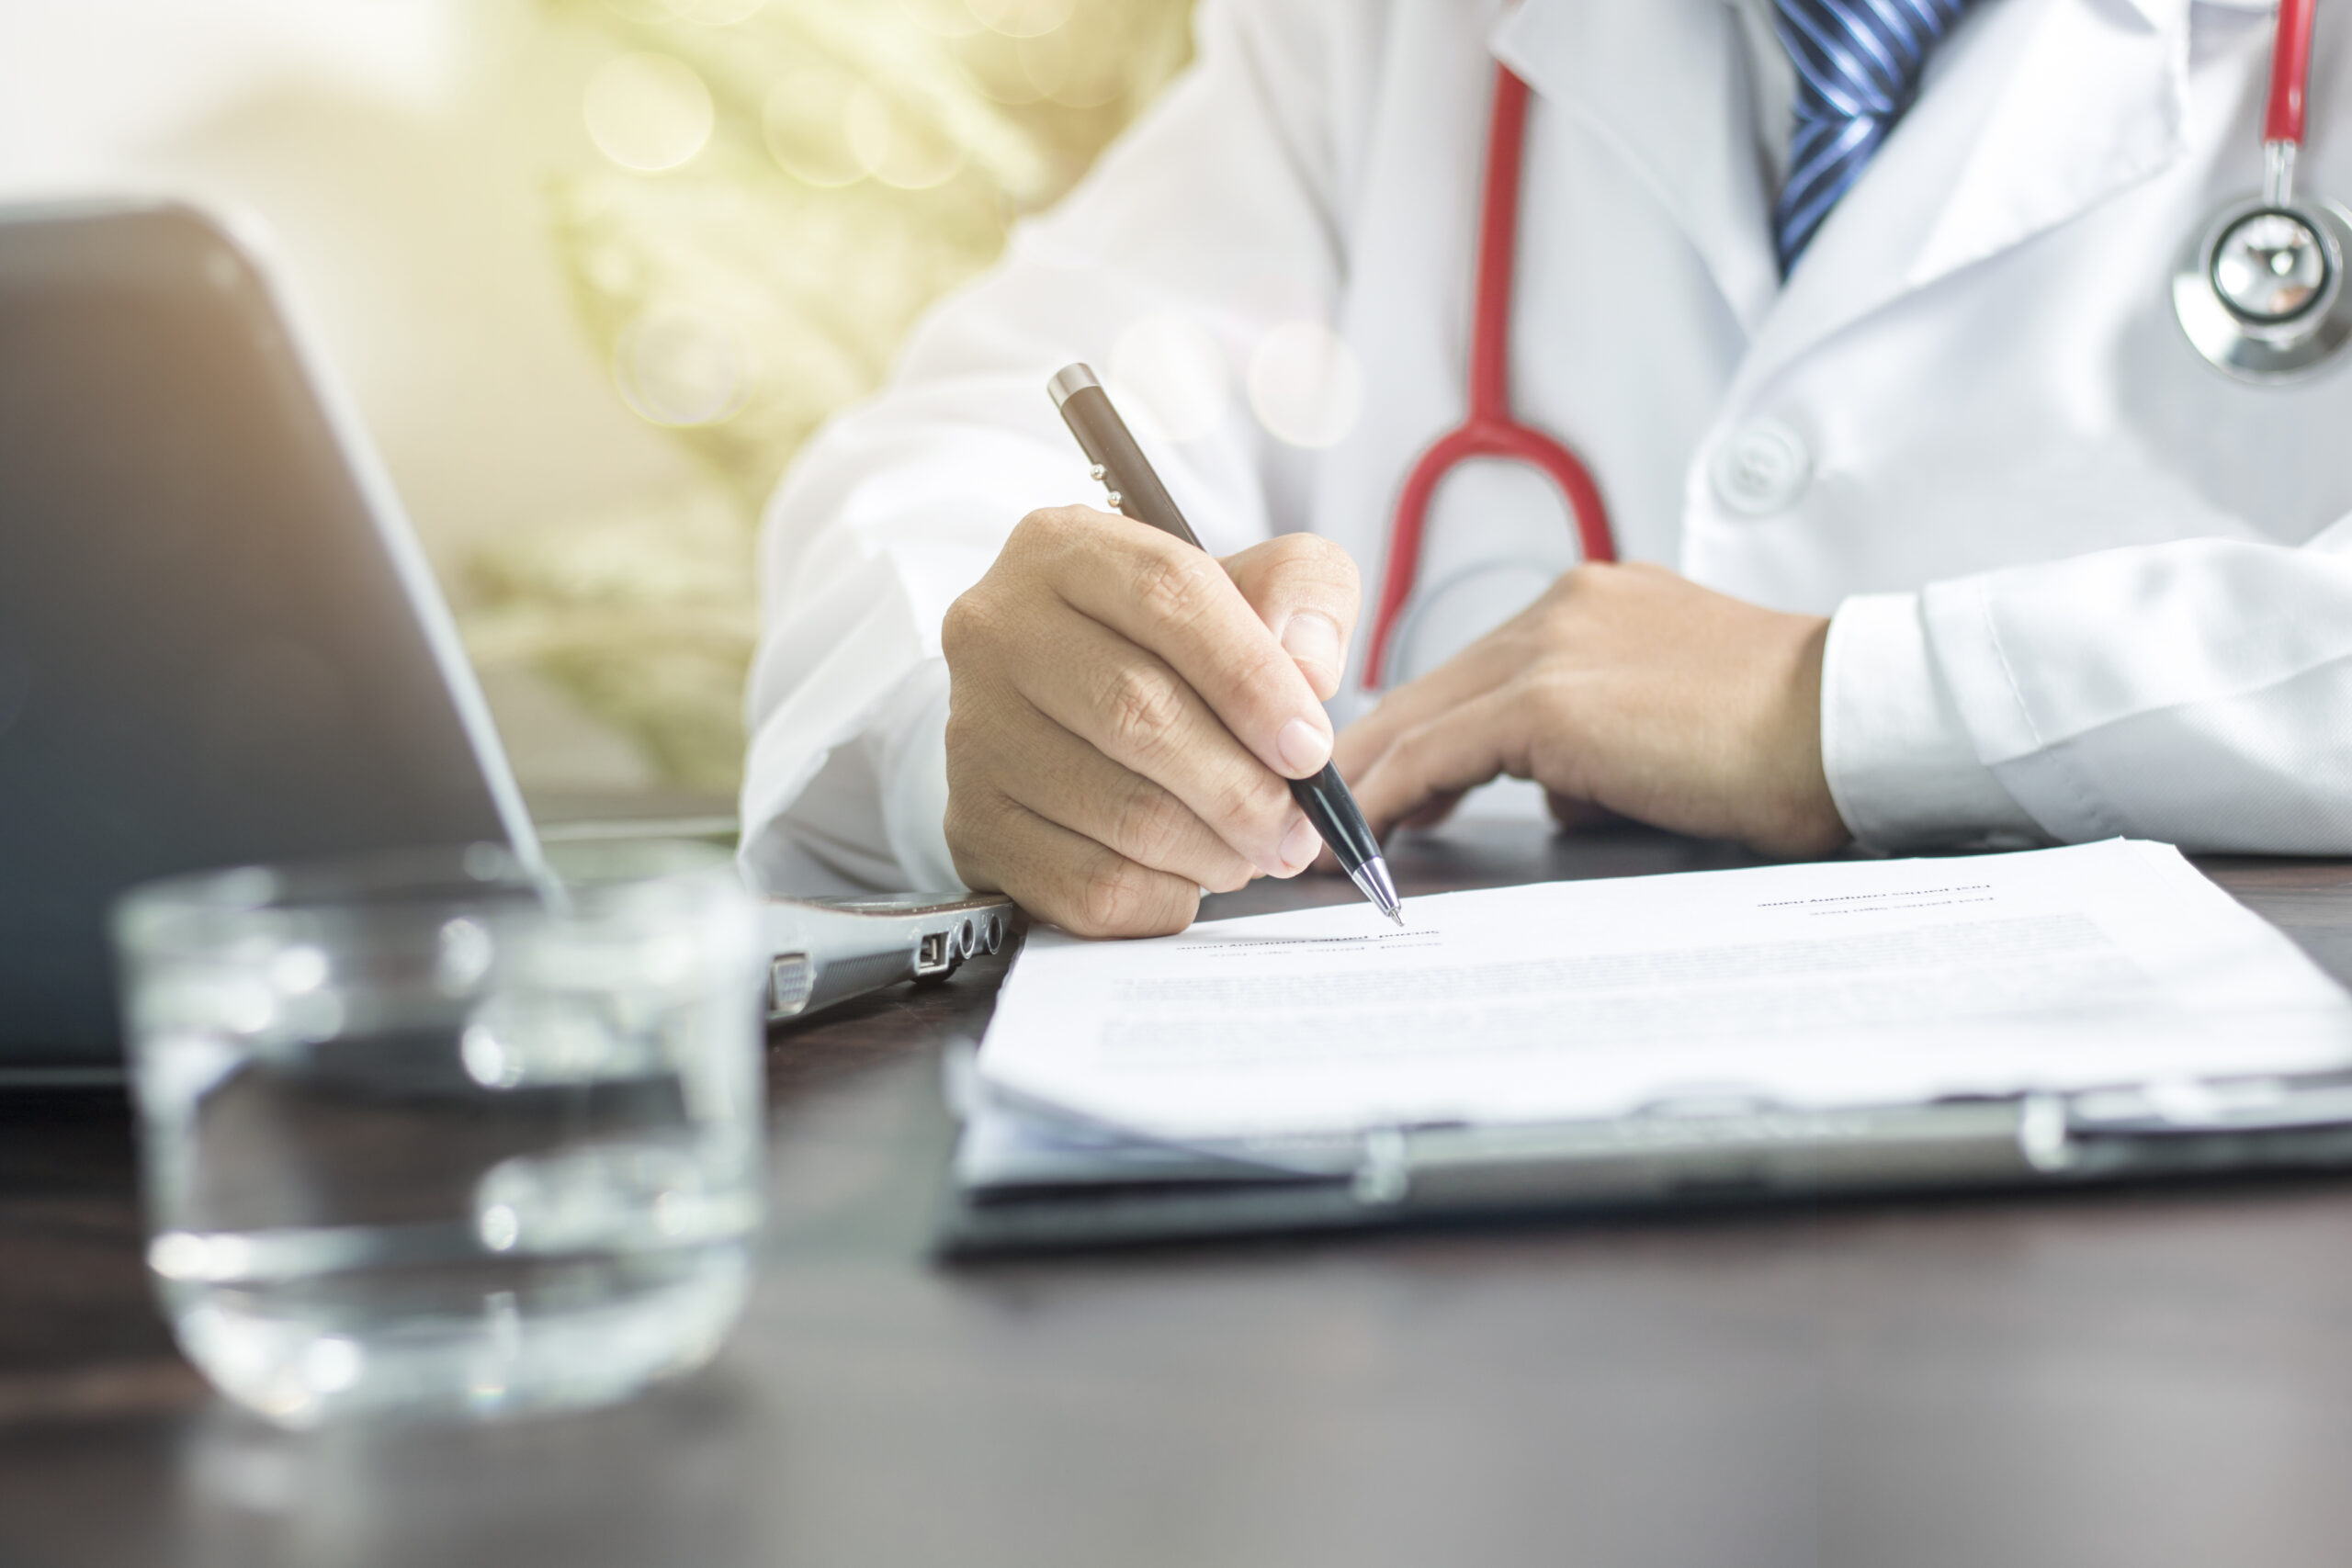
x=2291 y=72
x=1490 y=431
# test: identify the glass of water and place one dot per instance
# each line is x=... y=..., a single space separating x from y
x=443 y=1135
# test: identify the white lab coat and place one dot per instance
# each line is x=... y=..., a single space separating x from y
x=2083 y=583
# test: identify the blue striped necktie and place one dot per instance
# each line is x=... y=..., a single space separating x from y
x=1858 y=66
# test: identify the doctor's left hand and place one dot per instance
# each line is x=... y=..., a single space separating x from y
x=1627 y=688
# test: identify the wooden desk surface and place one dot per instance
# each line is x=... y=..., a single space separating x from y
x=2149 y=1376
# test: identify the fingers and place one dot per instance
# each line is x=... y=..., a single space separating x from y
x=1427 y=767
x=1177 y=602
x=1124 y=703
x=1305 y=590
x=1042 y=767
x=1472 y=672
x=1061 y=876
x=1575 y=816
x=1122 y=717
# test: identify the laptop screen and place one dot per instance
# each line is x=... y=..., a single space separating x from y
x=207 y=654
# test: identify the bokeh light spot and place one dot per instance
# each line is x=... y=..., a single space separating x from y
x=679 y=365
x=944 y=19
x=332 y=1364
x=647 y=112
x=1022 y=18
x=1171 y=367
x=806 y=119
x=994 y=61
x=1306 y=385
x=895 y=146
x=1061 y=69
x=713 y=13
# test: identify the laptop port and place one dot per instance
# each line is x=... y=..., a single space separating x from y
x=935 y=955
x=791 y=979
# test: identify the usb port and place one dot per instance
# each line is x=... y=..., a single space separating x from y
x=791 y=981
x=931 y=955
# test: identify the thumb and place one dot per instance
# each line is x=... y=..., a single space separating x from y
x=1304 y=588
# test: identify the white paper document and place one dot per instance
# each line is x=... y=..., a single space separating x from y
x=1846 y=983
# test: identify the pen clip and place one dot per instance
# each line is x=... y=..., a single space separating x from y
x=1117 y=459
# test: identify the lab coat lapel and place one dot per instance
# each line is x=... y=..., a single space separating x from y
x=1666 y=85
x=2058 y=105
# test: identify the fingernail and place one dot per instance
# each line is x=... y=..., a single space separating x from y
x=1299 y=845
x=1313 y=638
x=1303 y=747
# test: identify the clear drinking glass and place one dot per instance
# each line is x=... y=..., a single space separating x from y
x=439 y=1135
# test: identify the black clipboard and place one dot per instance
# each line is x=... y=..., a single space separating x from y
x=1410 y=1177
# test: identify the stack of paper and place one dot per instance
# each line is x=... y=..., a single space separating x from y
x=1282 y=1039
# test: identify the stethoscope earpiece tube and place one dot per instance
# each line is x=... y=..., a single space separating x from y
x=1490 y=430
x=2291 y=74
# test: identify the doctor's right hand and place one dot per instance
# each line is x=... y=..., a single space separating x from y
x=1123 y=711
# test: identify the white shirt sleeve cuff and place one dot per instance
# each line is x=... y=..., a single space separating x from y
x=1902 y=767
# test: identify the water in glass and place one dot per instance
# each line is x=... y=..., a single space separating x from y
x=445 y=1135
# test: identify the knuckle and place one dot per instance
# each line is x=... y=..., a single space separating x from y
x=1232 y=874
x=1417 y=752
x=971 y=745
x=1313 y=555
x=1143 y=709
x=958 y=820
x=1042 y=539
x=966 y=626
x=1152 y=825
x=1406 y=752
x=1547 y=700
x=1602 y=576
x=1295 y=549
x=1044 y=527
x=971 y=832
x=1178 y=586
x=1244 y=684
x=1253 y=803
x=1113 y=896
x=1569 y=600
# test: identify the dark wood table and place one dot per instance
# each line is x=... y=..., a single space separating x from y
x=2147 y=1377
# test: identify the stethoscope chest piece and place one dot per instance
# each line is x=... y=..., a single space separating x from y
x=2260 y=293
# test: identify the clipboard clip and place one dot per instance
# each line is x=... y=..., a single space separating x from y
x=2174 y=1106
x=1753 y=1149
x=1756 y=1151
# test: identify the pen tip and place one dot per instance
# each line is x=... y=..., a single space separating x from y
x=1372 y=879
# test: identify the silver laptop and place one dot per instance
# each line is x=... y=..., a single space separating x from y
x=218 y=641
x=221 y=644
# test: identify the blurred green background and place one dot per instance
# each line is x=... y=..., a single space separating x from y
x=594 y=270
x=787 y=185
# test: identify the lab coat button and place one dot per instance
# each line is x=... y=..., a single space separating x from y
x=1762 y=469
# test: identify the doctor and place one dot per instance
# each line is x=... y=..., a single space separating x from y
x=1937 y=528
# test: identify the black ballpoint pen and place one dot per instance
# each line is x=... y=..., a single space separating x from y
x=1136 y=491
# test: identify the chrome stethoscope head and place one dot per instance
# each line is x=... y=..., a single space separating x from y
x=2260 y=292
